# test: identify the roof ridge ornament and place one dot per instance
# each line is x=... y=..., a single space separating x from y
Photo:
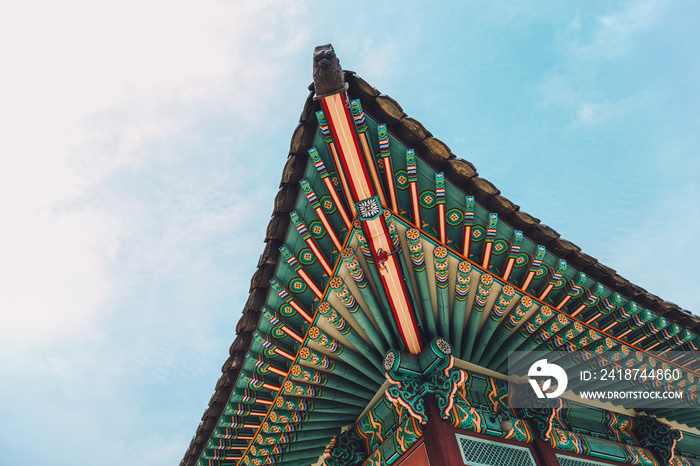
x=328 y=74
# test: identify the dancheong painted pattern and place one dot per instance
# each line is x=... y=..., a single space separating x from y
x=394 y=278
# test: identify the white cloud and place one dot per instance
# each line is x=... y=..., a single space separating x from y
x=54 y=274
x=557 y=90
x=614 y=33
x=600 y=112
x=87 y=90
x=586 y=112
x=665 y=241
x=377 y=60
x=124 y=210
x=78 y=57
x=593 y=50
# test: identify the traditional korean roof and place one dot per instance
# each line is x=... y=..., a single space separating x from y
x=329 y=299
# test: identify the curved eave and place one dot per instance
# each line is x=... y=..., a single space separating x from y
x=459 y=172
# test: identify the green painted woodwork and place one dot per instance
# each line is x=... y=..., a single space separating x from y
x=330 y=384
x=532 y=341
x=460 y=301
x=391 y=224
x=621 y=314
x=272 y=323
x=649 y=329
x=342 y=369
x=374 y=274
x=400 y=440
x=413 y=376
x=415 y=248
x=305 y=374
x=440 y=265
x=506 y=296
x=292 y=403
x=343 y=293
x=381 y=314
x=330 y=344
x=267 y=345
x=483 y=291
x=508 y=325
x=567 y=441
x=341 y=325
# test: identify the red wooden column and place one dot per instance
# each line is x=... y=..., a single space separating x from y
x=545 y=454
x=416 y=456
x=440 y=440
x=443 y=449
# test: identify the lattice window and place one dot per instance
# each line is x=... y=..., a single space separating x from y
x=478 y=452
x=570 y=461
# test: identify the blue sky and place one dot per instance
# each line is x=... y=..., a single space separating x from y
x=143 y=143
